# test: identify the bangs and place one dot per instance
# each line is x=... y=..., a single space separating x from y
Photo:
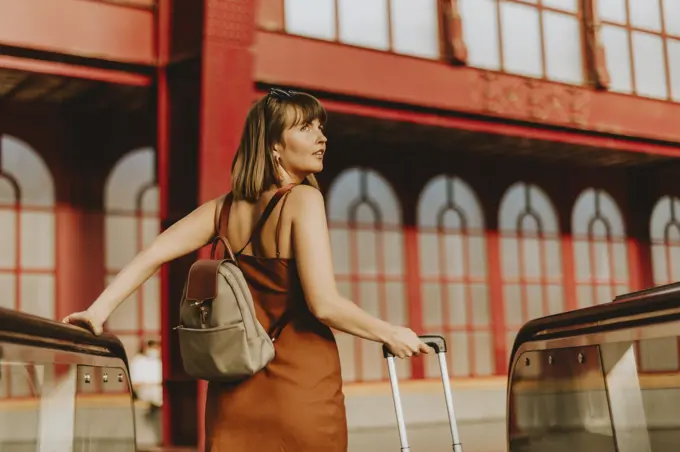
x=305 y=109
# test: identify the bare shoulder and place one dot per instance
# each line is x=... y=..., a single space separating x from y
x=306 y=199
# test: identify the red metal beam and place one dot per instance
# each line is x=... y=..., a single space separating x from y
x=69 y=70
x=325 y=66
x=74 y=27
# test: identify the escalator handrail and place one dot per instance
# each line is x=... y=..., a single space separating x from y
x=636 y=308
x=26 y=329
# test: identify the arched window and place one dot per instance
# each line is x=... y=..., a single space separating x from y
x=531 y=258
x=367 y=245
x=662 y=354
x=27 y=242
x=599 y=248
x=131 y=201
x=665 y=237
x=453 y=271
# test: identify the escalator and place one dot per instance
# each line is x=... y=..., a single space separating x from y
x=603 y=378
x=61 y=388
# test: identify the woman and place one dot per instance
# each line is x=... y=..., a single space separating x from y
x=296 y=404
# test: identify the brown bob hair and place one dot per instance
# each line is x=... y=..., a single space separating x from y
x=254 y=169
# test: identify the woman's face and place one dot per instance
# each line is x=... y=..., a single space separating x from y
x=302 y=149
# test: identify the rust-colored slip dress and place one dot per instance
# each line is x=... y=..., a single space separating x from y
x=296 y=403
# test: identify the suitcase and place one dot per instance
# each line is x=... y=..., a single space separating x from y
x=438 y=343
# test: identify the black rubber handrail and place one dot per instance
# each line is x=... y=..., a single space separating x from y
x=26 y=329
x=626 y=311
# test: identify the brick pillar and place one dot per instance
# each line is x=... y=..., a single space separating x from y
x=227 y=94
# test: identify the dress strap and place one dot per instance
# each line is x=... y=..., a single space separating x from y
x=267 y=212
x=278 y=223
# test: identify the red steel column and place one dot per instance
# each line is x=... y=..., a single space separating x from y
x=227 y=93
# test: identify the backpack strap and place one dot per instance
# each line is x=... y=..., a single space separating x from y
x=220 y=234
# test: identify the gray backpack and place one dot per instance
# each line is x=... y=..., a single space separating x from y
x=220 y=338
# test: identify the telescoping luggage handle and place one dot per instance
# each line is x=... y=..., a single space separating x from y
x=438 y=343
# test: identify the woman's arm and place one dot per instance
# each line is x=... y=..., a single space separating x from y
x=312 y=249
x=187 y=235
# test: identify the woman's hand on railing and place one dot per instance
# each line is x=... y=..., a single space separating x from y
x=87 y=320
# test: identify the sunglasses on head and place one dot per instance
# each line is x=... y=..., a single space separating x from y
x=280 y=94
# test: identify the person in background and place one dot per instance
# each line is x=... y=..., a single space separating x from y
x=146 y=376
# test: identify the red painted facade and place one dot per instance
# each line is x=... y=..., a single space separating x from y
x=179 y=77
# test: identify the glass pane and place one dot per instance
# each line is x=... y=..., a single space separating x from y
x=121 y=240
x=37 y=240
x=429 y=254
x=671 y=14
x=8 y=195
x=658 y=355
x=340 y=247
x=483 y=353
x=460 y=348
x=312 y=18
x=456 y=261
x=458 y=306
x=369 y=298
x=558 y=401
x=564 y=5
x=535 y=302
x=29 y=170
x=382 y=194
x=674 y=66
x=513 y=306
x=126 y=315
x=563 y=47
x=432 y=305
x=553 y=257
x=151 y=305
x=513 y=203
x=510 y=257
x=615 y=41
x=582 y=259
x=542 y=205
x=367 y=252
x=532 y=262
x=397 y=308
x=650 y=65
x=343 y=193
x=659 y=260
x=364 y=23
x=481 y=314
x=8 y=291
x=521 y=39
x=625 y=397
x=480 y=32
x=415 y=28
x=93 y=419
x=393 y=242
x=130 y=175
x=432 y=199
x=612 y=10
x=645 y=14
x=151 y=200
x=44 y=420
x=8 y=239
x=150 y=229
x=660 y=218
x=37 y=295
x=478 y=258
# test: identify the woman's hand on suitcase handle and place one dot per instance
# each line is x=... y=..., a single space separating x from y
x=404 y=343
